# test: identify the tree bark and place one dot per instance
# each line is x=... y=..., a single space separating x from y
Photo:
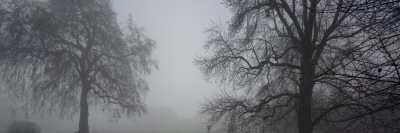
x=84 y=109
x=306 y=91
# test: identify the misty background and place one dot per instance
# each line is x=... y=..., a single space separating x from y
x=176 y=88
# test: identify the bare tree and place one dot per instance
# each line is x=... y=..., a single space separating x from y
x=315 y=60
x=3 y=14
x=70 y=53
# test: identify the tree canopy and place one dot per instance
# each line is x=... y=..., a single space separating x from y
x=317 y=65
x=72 y=54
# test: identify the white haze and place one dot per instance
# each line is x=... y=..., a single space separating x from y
x=177 y=88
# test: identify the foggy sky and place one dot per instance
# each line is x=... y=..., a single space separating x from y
x=178 y=28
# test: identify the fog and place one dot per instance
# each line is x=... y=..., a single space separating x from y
x=139 y=66
x=176 y=88
x=178 y=27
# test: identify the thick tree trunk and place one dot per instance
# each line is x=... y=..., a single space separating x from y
x=306 y=91
x=84 y=110
x=304 y=112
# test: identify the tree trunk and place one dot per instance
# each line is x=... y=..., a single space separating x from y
x=84 y=110
x=304 y=112
x=306 y=90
